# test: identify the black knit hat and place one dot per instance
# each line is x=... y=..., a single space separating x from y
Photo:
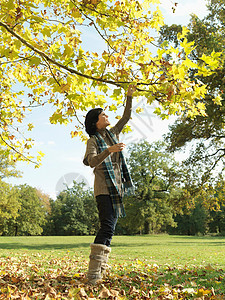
x=91 y=119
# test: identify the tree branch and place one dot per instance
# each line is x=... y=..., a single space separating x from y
x=49 y=59
x=215 y=163
x=14 y=149
x=68 y=69
x=213 y=154
x=217 y=136
x=17 y=60
x=71 y=102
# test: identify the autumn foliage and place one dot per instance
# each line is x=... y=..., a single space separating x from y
x=53 y=269
x=79 y=54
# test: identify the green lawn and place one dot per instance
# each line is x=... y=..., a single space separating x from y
x=142 y=267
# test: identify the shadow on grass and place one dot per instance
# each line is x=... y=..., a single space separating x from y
x=149 y=242
x=18 y=246
x=191 y=244
x=205 y=237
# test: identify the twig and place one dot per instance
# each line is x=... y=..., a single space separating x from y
x=14 y=149
x=49 y=59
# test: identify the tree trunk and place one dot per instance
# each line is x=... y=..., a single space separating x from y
x=146 y=227
x=16 y=230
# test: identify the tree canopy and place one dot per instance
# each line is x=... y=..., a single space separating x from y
x=46 y=58
x=74 y=212
x=205 y=132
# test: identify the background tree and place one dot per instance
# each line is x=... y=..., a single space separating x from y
x=9 y=205
x=192 y=222
x=31 y=215
x=74 y=212
x=204 y=133
x=45 y=200
x=216 y=222
x=46 y=205
x=155 y=174
x=204 y=212
x=213 y=198
x=7 y=166
x=45 y=58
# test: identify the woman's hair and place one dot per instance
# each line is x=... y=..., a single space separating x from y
x=91 y=119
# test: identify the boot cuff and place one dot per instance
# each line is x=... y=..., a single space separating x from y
x=99 y=247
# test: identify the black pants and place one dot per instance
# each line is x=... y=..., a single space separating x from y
x=107 y=220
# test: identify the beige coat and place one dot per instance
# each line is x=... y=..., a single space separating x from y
x=94 y=159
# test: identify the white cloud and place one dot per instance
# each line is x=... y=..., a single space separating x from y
x=38 y=143
x=51 y=142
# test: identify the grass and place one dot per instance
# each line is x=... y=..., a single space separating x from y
x=160 y=249
x=157 y=266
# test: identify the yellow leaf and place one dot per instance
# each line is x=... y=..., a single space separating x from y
x=73 y=134
x=139 y=110
x=217 y=100
x=112 y=107
x=30 y=126
x=202 y=292
x=185 y=31
x=189 y=63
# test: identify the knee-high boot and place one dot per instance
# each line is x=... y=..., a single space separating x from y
x=97 y=258
x=104 y=265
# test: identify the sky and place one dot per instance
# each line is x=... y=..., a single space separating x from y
x=63 y=158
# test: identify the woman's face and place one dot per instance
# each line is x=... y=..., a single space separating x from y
x=103 y=121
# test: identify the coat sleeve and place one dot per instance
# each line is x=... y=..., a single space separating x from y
x=125 y=118
x=92 y=158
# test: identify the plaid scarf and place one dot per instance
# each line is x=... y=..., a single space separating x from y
x=110 y=176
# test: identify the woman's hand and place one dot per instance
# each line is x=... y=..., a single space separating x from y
x=131 y=90
x=116 y=147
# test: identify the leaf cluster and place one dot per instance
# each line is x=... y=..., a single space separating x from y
x=46 y=58
x=63 y=277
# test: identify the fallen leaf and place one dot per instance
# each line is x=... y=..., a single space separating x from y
x=104 y=293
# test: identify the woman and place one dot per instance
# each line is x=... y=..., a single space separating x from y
x=103 y=153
